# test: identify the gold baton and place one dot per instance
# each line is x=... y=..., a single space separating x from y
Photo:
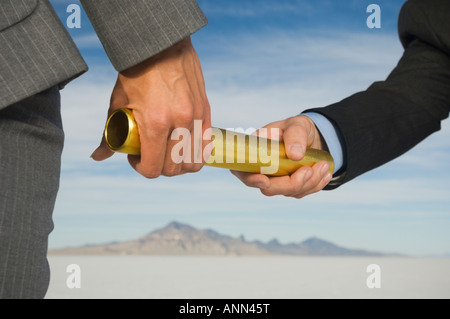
x=231 y=150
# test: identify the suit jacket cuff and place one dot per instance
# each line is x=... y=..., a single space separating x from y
x=133 y=31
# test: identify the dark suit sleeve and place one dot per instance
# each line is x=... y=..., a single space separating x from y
x=394 y=115
x=131 y=31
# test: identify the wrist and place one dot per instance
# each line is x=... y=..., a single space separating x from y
x=318 y=140
x=167 y=55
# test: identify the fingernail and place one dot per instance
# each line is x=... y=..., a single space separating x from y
x=93 y=154
x=325 y=169
x=295 y=149
x=96 y=154
x=328 y=177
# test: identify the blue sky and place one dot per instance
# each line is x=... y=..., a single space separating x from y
x=263 y=61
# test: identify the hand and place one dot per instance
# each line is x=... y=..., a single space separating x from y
x=165 y=92
x=298 y=133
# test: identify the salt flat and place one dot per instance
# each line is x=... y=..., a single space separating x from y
x=164 y=277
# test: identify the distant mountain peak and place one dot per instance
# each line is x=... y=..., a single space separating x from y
x=274 y=242
x=173 y=227
x=313 y=241
x=181 y=239
x=178 y=225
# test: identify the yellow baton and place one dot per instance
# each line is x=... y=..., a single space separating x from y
x=231 y=150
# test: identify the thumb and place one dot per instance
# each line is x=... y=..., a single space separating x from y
x=118 y=99
x=102 y=152
x=295 y=141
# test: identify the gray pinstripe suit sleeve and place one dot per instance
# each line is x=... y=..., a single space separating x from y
x=131 y=34
x=36 y=52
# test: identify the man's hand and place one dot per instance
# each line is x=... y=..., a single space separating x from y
x=298 y=133
x=165 y=92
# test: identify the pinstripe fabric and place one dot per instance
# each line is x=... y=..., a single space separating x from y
x=30 y=151
x=11 y=15
x=36 y=52
x=131 y=34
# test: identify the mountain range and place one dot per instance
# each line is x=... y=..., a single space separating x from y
x=181 y=239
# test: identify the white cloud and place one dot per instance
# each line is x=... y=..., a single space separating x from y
x=88 y=41
x=264 y=78
x=243 y=104
x=251 y=82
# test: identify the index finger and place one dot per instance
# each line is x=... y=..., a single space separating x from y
x=153 y=137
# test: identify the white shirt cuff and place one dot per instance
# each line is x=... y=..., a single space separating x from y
x=331 y=136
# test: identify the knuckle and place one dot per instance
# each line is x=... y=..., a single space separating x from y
x=159 y=120
x=150 y=173
x=191 y=167
x=194 y=168
x=267 y=193
x=185 y=115
x=174 y=171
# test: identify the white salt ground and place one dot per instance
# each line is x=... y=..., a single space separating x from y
x=247 y=277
